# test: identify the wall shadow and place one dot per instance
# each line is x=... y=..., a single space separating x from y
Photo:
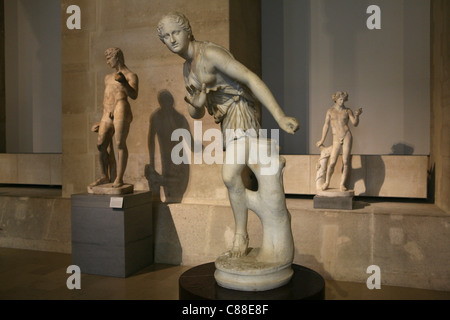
x=402 y=148
x=355 y=176
x=372 y=181
x=167 y=247
x=297 y=35
x=173 y=179
x=286 y=39
x=431 y=183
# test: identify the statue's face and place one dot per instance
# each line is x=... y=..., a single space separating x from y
x=340 y=102
x=175 y=37
x=112 y=61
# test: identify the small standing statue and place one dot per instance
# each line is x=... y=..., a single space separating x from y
x=116 y=120
x=217 y=82
x=337 y=116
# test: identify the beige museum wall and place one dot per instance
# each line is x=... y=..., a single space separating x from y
x=410 y=245
x=371 y=175
x=160 y=107
x=440 y=101
x=2 y=81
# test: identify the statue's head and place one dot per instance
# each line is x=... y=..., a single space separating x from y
x=178 y=18
x=340 y=94
x=114 y=53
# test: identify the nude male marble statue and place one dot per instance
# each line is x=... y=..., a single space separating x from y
x=338 y=117
x=117 y=117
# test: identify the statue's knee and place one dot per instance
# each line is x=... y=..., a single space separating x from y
x=121 y=145
x=228 y=180
x=101 y=147
x=232 y=182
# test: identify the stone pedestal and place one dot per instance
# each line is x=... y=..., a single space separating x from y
x=248 y=274
x=112 y=235
x=334 y=199
x=110 y=190
x=199 y=283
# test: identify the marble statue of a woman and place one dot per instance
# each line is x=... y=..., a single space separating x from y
x=216 y=82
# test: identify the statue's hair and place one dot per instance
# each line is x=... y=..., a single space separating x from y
x=178 y=18
x=340 y=94
x=115 y=52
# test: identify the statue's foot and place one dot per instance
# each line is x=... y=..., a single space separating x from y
x=343 y=188
x=99 y=182
x=117 y=184
x=240 y=246
x=325 y=186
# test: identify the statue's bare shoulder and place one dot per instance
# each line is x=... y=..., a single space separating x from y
x=216 y=54
x=130 y=75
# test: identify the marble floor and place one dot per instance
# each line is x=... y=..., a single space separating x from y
x=35 y=275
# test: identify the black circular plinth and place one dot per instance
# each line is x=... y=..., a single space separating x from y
x=198 y=283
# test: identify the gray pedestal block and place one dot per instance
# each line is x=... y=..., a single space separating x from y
x=112 y=235
x=340 y=203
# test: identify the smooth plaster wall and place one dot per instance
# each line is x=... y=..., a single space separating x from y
x=33 y=76
x=312 y=49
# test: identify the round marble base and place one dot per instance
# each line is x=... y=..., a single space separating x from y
x=108 y=189
x=198 y=283
x=248 y=274
x=335 y=193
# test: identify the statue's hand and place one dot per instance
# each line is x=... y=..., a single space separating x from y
x=289 y=124
x=195 y=97
x=119 y=77
x=95 y=127
x=358 y=112
x=319 y=143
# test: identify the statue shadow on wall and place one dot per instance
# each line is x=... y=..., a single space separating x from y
x=402 y=149
x=372 y=185
x=171 y=180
